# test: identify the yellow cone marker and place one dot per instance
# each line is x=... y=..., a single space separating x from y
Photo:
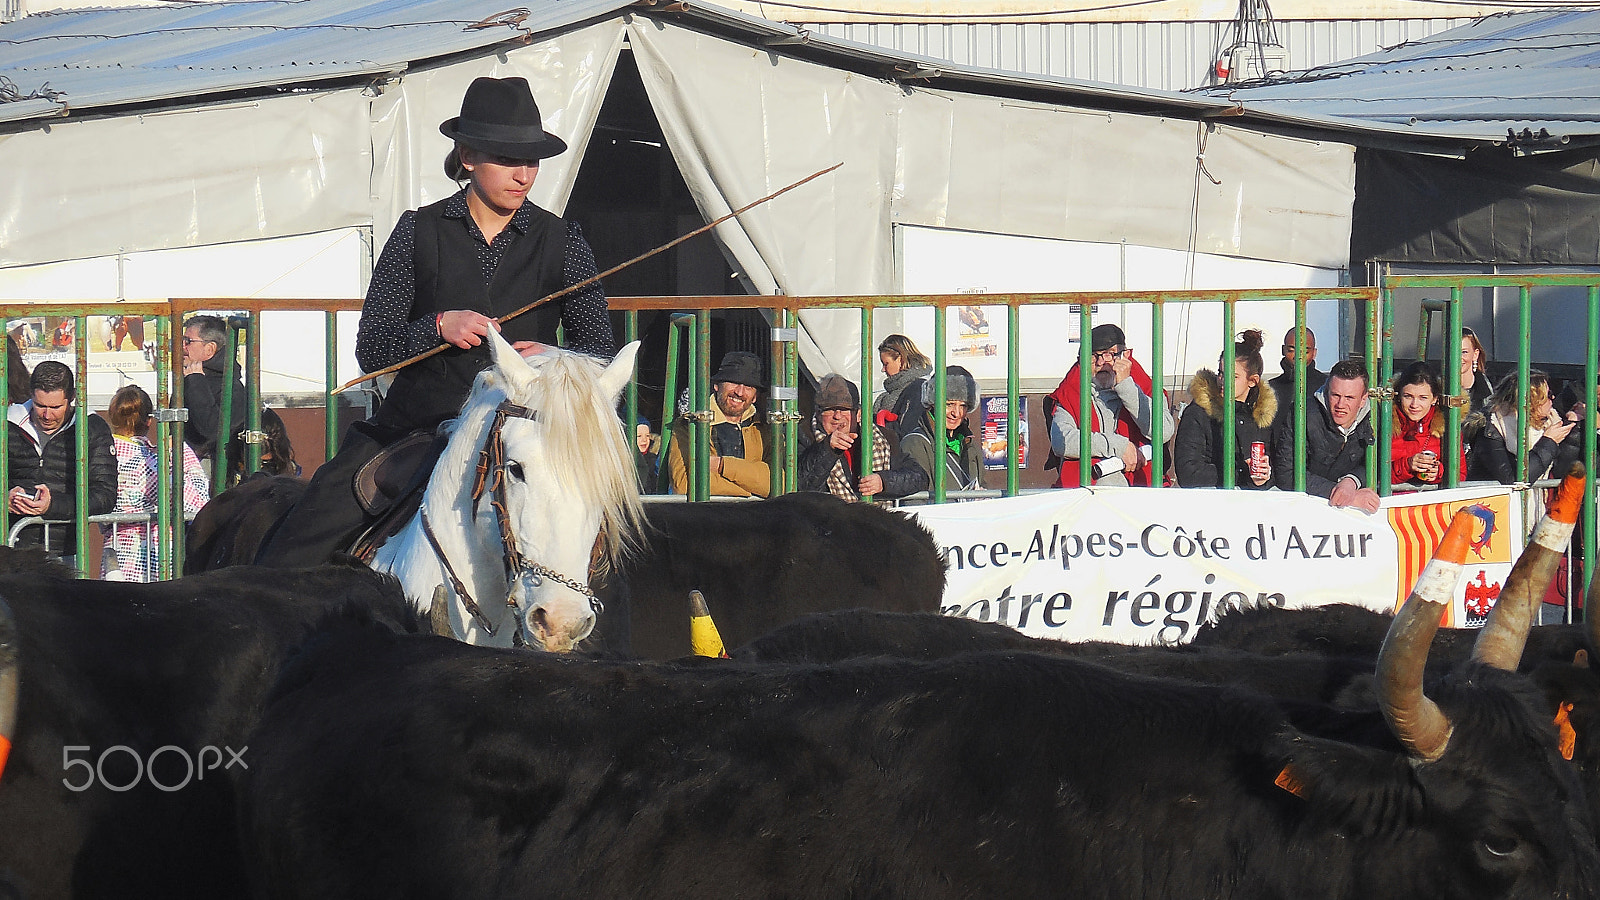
x=703 y=636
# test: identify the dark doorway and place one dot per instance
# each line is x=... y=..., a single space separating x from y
x=630 y=198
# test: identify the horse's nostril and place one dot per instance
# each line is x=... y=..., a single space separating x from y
x=539 y=621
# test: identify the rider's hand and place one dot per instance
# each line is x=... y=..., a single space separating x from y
x=465 y=328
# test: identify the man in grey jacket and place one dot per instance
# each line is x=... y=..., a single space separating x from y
x=1121 y=420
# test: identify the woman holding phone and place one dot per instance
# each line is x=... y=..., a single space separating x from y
x=1415 y=451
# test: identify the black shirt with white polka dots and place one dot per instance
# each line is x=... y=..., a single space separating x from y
x=388 y=334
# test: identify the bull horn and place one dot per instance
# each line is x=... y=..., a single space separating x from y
x=439 y=613
x=1421 y=727
x=10 y=682
x=1505 y=634
x=703 y=636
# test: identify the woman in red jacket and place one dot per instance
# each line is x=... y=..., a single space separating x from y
x=1416 y=452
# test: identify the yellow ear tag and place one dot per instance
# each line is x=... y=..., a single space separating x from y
x=1289 y=782
x=1569 y=738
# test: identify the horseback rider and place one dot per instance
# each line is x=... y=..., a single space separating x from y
x=447 y=272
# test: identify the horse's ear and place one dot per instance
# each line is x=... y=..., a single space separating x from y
x=507 y=361
x=617 y=375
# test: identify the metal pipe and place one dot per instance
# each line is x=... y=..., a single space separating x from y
x=1158 y=400
x=1085 y=407
x=330 y=380
x=937 y=430
x=1383 y=413
x=1013 y=395
x=1452 y=376
x=219 y=459
x=1230 y=438
x=1524 y=330
x=700 y=365
x=80 y=515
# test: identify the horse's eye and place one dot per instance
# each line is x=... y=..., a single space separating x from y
x=515 y=469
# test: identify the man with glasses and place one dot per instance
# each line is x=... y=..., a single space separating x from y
x=202 y=385
x=1120 y=420
x=829 y=460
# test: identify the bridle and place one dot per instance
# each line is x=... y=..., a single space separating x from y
x=491 y=478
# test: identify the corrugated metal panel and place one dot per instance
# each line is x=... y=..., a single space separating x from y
x=104 y=57
x=1171 y=56
x=1537 y=71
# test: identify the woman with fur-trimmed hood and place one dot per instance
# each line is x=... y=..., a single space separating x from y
x=1199 y=439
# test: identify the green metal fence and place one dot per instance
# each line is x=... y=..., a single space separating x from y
x=690 y=329
x=691 y=326
x=169 y=415
x=1524 y=285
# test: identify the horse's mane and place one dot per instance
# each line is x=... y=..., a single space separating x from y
x=584 y=441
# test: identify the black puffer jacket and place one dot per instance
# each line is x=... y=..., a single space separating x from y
x=1330 y=455
x=1198 y=443
x=54 y=466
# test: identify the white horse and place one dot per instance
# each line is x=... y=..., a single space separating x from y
x=537 y=481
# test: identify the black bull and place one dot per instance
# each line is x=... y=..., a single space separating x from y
x=114 y=672
x=412 y=766
x=762 y=563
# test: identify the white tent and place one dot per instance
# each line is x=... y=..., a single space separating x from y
x=220 y=128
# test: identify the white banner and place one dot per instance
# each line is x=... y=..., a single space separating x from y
x=1138 y=566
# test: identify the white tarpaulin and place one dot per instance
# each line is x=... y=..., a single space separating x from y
x=742 y=122
x=1141 y=566
x=274 y=167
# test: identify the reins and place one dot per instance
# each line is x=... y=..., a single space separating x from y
x=490 y=478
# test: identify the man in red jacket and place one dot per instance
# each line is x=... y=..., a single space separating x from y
x=1120 y=418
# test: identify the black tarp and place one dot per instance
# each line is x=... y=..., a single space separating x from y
x=1489 y=208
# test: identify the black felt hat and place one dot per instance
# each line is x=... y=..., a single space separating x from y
x=499 y=116
x=739 y=367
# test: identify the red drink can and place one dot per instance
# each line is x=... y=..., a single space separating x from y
x=1258 y=453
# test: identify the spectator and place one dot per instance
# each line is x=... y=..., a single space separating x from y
x=16 y=373
x=1570 y=406
x=829 y=458
x=1283 y=384
x=649 y=444
x=277 y=452
x=1416 y=450
x=130 y=553
x=903 y=364
x=1120 y=418
x=1198 y=444
x=1338 y=433
x=738 y=454
x=1491 y=433
x=1474 y=377
x=203 y=337
x=960 y=450
x=43 y=450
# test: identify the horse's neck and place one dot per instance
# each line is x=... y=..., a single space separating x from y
x=448 y=506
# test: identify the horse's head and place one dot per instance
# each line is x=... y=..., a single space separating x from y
x=554 y=478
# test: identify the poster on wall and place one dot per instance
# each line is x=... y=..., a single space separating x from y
x=116 y=344
x=994 y=432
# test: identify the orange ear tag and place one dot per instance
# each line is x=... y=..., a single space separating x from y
x=1289 y=782
x=1569 y=738
x=5 y=751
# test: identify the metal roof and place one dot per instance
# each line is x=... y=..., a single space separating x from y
x=95 y=58
x=1530 y=80
x=1467 y=85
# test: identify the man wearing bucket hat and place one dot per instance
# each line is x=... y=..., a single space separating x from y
x=738 y=453
x=447 y=273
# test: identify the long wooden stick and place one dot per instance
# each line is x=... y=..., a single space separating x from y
x=593 y=278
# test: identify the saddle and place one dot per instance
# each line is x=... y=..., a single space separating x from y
x=389 y=487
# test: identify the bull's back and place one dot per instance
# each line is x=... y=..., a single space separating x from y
x=763 y=563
